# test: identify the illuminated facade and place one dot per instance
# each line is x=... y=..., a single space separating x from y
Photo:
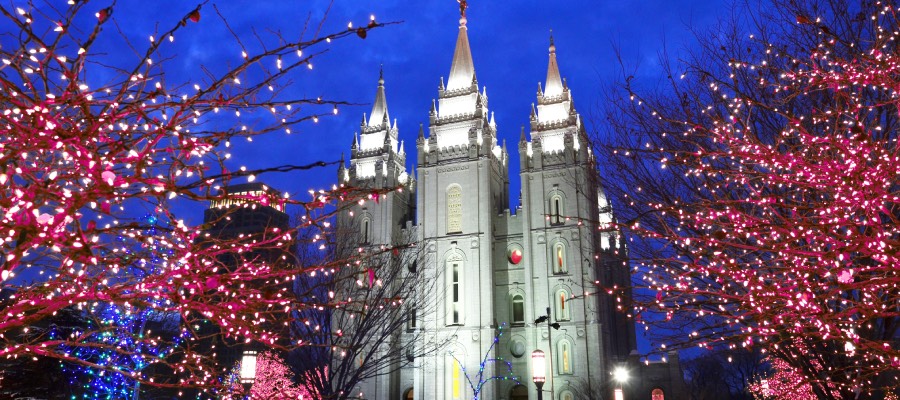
x=497 y=264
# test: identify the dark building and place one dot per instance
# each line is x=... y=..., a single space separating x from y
x=660 y=379
x=254 y=213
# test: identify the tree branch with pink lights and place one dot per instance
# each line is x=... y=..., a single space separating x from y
x=91 y=139
x=764 y=196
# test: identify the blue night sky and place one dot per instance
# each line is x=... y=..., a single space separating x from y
x=509 y=43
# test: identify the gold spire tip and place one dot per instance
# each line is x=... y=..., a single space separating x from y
x=463 y=5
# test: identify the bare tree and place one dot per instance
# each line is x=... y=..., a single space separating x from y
x=361 y=316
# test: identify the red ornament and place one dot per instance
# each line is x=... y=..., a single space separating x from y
x=103 y=14
x=515 y=256
x=194 y=16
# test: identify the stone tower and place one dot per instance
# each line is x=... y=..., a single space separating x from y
x=494 y=266
x=463 y=185
x=377 y=164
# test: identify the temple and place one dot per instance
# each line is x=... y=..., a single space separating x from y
x=498 y=266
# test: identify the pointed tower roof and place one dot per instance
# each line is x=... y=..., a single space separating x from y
x=379 y=109
x=554 y=85
x=462 y=70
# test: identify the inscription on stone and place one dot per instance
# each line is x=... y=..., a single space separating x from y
x=453 y=169
x=555 y=174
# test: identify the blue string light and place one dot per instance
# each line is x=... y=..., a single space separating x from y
x=116 y=343
x=479 y=386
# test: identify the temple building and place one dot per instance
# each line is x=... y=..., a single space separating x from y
x=498 y=265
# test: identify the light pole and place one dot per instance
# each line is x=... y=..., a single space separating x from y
x=248 y=368
x=554 y=325
x=620 y=375
x=538 y=371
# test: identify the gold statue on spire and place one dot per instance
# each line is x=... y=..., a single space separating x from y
x=462 y=7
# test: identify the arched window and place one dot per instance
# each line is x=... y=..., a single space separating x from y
x=364 y=230
x=518 y=392
x=454 y=290
x=559 y=258
x=518 y=309
x=564 y=354
x=566 y=395
x=455 y=378
x=454 y=209
x=408 y=394
x=557 y=210
x=657 y=394
x=412 y=323
x=562 y=305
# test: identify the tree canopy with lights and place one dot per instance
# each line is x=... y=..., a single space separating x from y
x=94 y=134
x=763 y=193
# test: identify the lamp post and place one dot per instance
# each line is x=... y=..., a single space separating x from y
x=248 y=368
x=538 y=372
x=620 y=375
x=554 y=325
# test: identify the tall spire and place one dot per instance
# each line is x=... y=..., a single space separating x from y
x=554 y=86
x=379 y=109
x=462 y=70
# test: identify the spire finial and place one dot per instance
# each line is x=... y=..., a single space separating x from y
x=379 y=115
x=552 y=46
x=554 y=86
x=462 y=11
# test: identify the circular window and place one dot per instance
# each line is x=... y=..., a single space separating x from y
x=514 y=254
x=517 y=348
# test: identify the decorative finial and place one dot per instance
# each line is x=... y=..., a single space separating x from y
x=462 y=11
x=552 y=46
x=381 y=75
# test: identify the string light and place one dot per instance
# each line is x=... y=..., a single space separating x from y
x=789 y=234
x=87 y=148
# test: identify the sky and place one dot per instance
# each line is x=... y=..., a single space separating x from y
x=509 y=42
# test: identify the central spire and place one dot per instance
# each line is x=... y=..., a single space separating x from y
x=379 y=109
x=462 y=70
x=554 y=85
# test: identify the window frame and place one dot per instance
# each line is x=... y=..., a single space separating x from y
x=564 y=357
x=365 y=230
x=557 y=209
x=512 y=303
x=558 y=255
x=456 y=390
x=455 y=269
x=562 y=311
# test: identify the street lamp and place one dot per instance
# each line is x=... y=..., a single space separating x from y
x=554 y=325
x=248 y=368
x=538 y=372
x=620 y=375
